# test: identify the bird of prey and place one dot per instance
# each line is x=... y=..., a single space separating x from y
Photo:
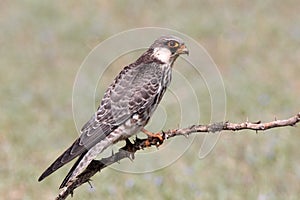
x=126 y=107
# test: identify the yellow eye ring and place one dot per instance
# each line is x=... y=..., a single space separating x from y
x=173 y=44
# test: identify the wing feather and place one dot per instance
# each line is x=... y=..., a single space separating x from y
x=133 y=91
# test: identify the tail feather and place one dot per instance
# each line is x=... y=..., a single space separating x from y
x=72 y=152
x=66 y=179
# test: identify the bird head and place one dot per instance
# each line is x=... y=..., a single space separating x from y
x=167 y=48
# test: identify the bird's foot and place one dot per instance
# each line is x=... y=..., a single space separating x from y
x=153 y=138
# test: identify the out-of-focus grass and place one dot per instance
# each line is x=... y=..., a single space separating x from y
x=255 y=45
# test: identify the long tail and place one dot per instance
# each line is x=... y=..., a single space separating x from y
x=66 y=179
x=85 y=158
x=72 y=152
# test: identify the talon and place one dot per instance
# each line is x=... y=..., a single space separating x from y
x=147 y=143
x=157 y=135
x=154 y=135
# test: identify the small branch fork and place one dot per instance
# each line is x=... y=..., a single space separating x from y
x=130 y=148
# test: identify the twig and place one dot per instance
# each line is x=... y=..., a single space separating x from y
x=129 y=149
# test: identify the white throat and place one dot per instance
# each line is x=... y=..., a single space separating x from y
x=162 y=54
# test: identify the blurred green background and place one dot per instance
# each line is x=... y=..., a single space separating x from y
x=255 y=44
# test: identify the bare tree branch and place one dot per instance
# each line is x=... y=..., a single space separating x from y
x=130 y=148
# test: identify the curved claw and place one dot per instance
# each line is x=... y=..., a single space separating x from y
x=153 y=135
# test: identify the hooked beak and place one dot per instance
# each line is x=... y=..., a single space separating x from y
x=183 y=50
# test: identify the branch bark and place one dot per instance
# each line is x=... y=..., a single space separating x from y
x=130 y=148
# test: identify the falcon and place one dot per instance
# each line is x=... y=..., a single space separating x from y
x=126 y=107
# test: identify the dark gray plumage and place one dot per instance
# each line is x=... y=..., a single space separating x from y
x=126 y=107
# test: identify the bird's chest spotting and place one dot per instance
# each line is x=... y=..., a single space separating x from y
x=167 y=76
x=165 y=82
x=130 y=127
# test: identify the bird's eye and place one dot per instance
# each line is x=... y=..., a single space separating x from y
x=173 y=44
